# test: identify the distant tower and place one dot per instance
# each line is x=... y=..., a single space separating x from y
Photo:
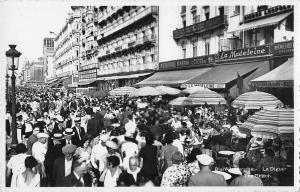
x=48 y=51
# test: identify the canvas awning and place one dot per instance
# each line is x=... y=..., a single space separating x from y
x=132 y=76
x=282 y=76
x=87 y=82
x=274 y=20
x=219 y=76
x=172 y=77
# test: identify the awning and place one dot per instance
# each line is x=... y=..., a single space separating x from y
x=87 y=82
x=281 y=76
x=132 y=76
x=173 y=77
x=219 y=76
x=274 y=20
x=73 y=85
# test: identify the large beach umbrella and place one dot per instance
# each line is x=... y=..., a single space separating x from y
x=147 y=91
x=191 y=90
x=256 y=100
x=120 y=91
x=269 y=123
x=206 y=96
x=168 y=90
x=179 y=101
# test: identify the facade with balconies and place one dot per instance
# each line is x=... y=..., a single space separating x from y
x=67 y=48
x=210 y=46
x=127 y=47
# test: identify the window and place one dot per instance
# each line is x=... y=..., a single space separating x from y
x=221 y=10
x=206 y=12
x=194 y=16
x=183 y=9
x=194 y=48
x=183 y=20
x=144 y=59
x=236 y=10
x=152 y=57
x=254 y=38
x=206 y=46
x=183 y=46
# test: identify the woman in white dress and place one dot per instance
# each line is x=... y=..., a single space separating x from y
x=16 y=164
x=111 y=173
x=30 y=177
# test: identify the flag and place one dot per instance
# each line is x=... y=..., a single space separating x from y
x=239 y=83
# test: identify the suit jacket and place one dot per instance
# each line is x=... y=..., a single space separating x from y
x=54 y=152
x=76 y=140
x=207 y=178
x=72 y=181
x=93 y=126
x=58 y=173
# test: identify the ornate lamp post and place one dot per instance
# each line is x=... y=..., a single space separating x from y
x=12 y=64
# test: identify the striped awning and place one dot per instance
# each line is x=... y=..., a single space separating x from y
x=265 y=22
x=256 y=100
x=206 y=96
x=269 y=123
x=122 y=91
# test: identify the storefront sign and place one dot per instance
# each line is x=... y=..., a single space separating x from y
x=195 y=61
x=280 y=84
x=244 y=53
x=205 y=85
x=283 y=48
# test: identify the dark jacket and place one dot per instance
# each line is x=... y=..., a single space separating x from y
x=58 y=172
x=72 y=181
x=75 y=138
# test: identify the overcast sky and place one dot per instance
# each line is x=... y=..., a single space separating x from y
x=26 y=24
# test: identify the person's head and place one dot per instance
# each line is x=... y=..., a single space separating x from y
x=149 y=138
x=87 y=140
x=36 y=130
x=42 y=137
x=69 y=151
x=193 y=155
x=169 y=137
x=111 y=147
x=177 y=158
x=133 y=163
x=30 y=162
x=205 y=161
x=80 y=165
x=245 y=166
x=113 y=161
x=21 y=148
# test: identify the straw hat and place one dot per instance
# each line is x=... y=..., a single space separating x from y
x=42 y=135
x=204 y=159
x=68 y=131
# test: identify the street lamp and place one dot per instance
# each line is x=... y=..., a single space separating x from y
x=12 y=64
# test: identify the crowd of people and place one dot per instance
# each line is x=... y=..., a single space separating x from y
x=69 y=140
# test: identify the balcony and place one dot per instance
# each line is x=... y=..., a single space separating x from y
x=201 y=27
x=118 y=48
x=107 y=31
x=131 y=44
x=149 y=38
x=267 y=13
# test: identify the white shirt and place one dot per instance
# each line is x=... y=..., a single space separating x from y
x=78 y=177
x=111 y=181
x=98 y=154
x=39 y=151
x=68 y=167
x=68 y=141
x=130 y=149
x=176 y=125
x=177 y=144
x=130 y=127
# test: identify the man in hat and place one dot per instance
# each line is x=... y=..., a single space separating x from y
x=63 y=165
x=79 y=177
x=79 y=132
x=59 y=125
x=206 y=177
x=39 y=150
x=68 y=134
x=54 y=152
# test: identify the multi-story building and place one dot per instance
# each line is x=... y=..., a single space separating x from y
x=121 y=45
x=67 y=48
x=34 y=72
x=210 y=46
x=48 y=51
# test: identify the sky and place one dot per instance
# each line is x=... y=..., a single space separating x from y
x=26 y=24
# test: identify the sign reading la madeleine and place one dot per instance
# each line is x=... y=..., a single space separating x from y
x=245 y=53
